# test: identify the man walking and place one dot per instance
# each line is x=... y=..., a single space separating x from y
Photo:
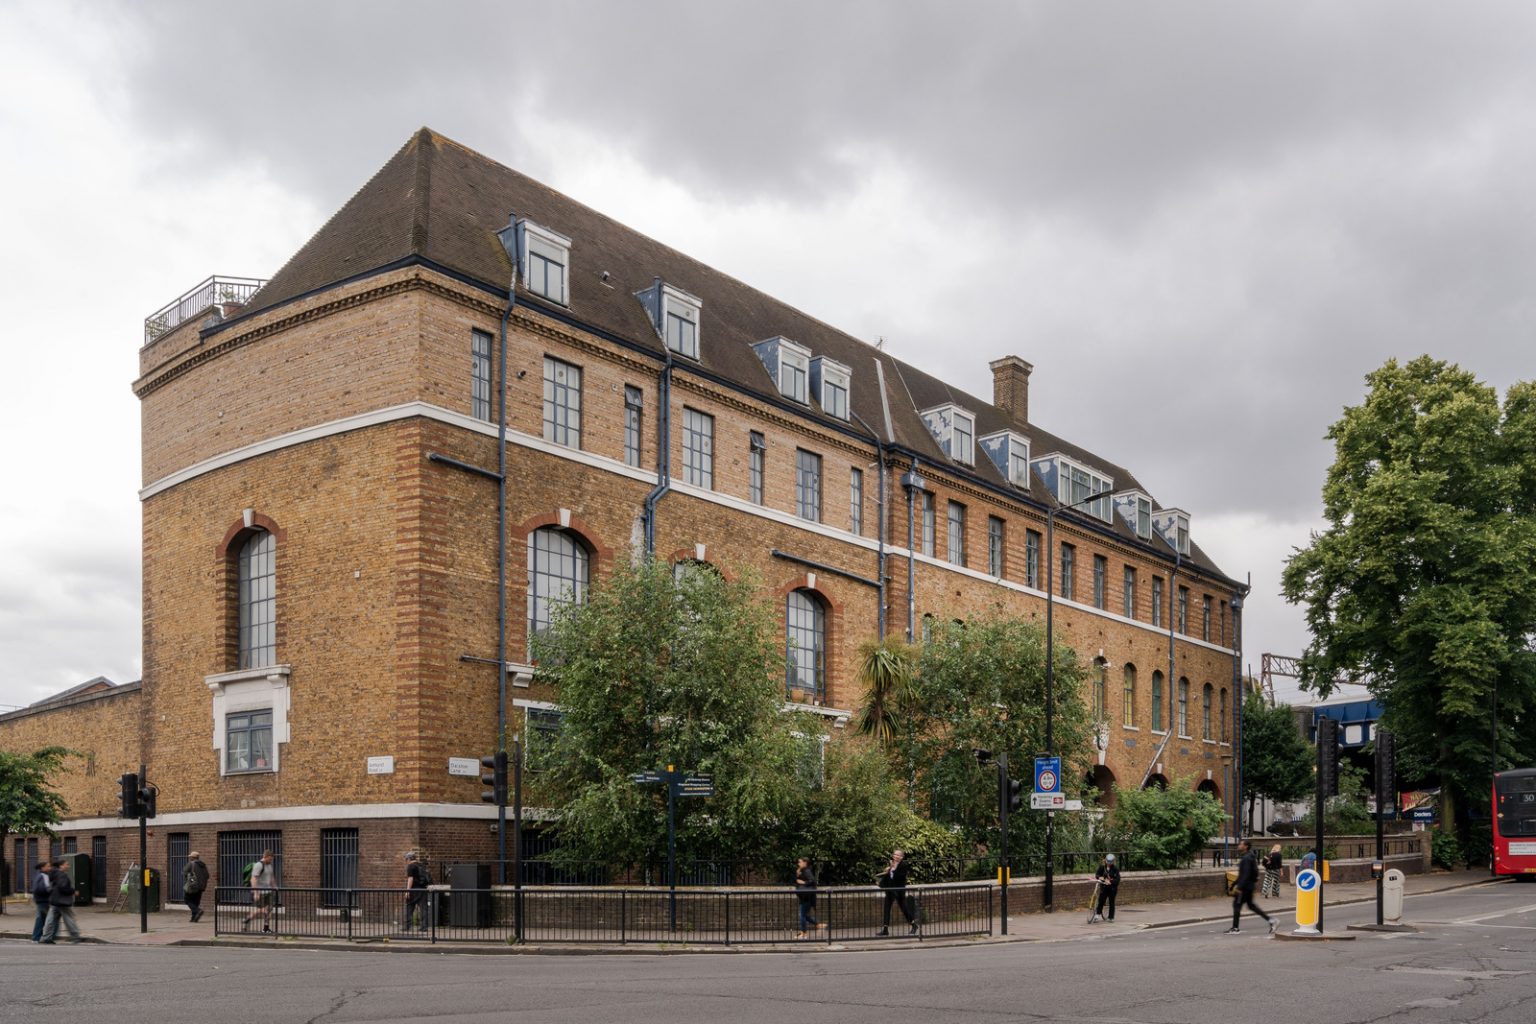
x=1108 y=878
x=263 y=893
x=194 y=880
x=1242 y=889
x=894 y=881
x=61 y=905
x=416 y=883
x=42 y=885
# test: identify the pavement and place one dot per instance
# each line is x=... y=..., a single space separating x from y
x=1068 y=923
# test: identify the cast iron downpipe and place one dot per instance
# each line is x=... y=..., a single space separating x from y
x=913 y=483
x=1173 y=693
x=664 y=440
x=880 y=532
x=501 y=565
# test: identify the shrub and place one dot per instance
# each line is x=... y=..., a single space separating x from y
x=1445 y=850
x=1163 y=828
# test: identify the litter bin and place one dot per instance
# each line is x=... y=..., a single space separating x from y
x=136 y=891
x=83 y=877
x=471 y=909
x=1392 y=896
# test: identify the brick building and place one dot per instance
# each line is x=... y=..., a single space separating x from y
x=320 y=573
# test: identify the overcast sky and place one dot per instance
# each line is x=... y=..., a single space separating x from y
x=1203 y=223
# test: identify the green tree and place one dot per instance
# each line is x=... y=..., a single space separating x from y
x=28 y=804
x=1424 y=581
x=1277 y=763
x=1159 y=828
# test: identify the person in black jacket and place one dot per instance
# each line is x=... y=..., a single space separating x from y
x=61 y=906
x=1108 y=878
x=805 y=891
x=1242 y=889
x=42 y=884
x=894 y=881
x=194 y=880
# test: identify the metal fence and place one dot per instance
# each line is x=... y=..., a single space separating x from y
x=218 y=289
x=607 y=915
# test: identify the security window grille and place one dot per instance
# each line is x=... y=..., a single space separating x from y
x=543 y=733
x=682 y=336
x=1205 y=617
x=338 y=865
x=558 y=571
x=562 y=403
x=480 y=374
x=808 y=485
x=995 y=547
x=177 y=846
x=248 y=741
x=926 y=544
x=1068 y=569
x=956 y=533
x=237 y=850
x=1128 y=700
x=546 y=277
x=757 y=454
x=1100 y=581
x=99 y=863
x=1157 y=702
x=71 y=845
x=1205 y=713
x=1032 y=559
x=257 y=563
x=1183 y=707
x=1129 y=607
x=834 y=399
x=1157 y=601
x=856 y=501
x=698 y=448
x=1183 y=610
x=634 y=411
x=806 y=642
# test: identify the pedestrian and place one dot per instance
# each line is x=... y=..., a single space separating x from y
x=805 y=891
x=194 y=880
x=1309 y=861
x=61 y=905
x=1108 y=878
x=416 y=882
x=894 y=881
x=263 y=893
x=1242 y=889
x=1272 y=865
x=42 y=884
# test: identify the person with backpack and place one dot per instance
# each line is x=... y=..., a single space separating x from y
x=42 y=885
x=61 y=905
x=1242 y=889
x=417 y=882
x=194 y=880
x=262 y=878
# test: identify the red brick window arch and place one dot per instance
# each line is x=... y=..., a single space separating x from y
x=559 y=571
x=805 y=632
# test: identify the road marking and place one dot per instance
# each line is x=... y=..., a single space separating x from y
x=1452 y=972
x=1507 y=912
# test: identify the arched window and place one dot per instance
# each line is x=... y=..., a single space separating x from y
x=256 y=566
x=558 y=571
x=1157 y=701
x=805 y=630
x=1205 y=713
x=1128 y=704
x=1183 y=706
x=1223 y=714
x=1100 y=689
x=927 y=630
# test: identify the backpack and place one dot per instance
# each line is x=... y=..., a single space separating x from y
x=426 y=877
x=245 y=873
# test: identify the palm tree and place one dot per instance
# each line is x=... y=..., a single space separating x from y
x=889 y=688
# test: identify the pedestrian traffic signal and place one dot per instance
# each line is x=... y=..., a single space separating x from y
x=1015 y=794
x=1328 y=756
x=496 y=778
x=147 y=795
x=130 y=786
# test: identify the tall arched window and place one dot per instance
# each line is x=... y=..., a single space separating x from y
x=1223 y=714
x=1128 y=703
x=1157 y=701
x=1205 y=713
x=257 y=569
x=805 y=630
x=558 y=571
x=1100 y=689
x=1183 y=706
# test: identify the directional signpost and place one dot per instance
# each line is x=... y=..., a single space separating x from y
x=679 y=784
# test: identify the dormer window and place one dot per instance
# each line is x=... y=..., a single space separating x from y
x=1009 y=452
x=955 y=430
x=829 y=380
x=1172 y=524
x=674 y=315
x=1072 y=482
x=1136 y=509
x=789 y=364
x=546 y=259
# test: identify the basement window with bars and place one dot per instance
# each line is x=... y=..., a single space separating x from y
x=239 y=849
x=338 y=865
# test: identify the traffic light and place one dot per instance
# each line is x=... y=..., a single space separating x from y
x=1328 y=756
x=1386 y=768
x=496 y=778
x=1015 y=794
x=147 y=795
x=130 y=785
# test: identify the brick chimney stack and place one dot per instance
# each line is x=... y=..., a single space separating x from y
x=1010 y=387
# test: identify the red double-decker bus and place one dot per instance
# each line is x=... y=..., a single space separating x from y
x=1514 y=823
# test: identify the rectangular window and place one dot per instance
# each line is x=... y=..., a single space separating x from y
x=546 y=276
x=957 y=533
x=1157 y=702
x=682 y=335
x=995 y=547
x=1068 y=567
x=856 y=501
x=698 y=448
x=248 y=741
x=794 y=380
x=1100 y=581
x=99 y=861
x=338 y=865
x=1032 y=559
x=1205 y=617
x=1130 y=593
x=1183 y=620
x=1018 y=465
x=238 y=851
x=562 y=403
x=634 y=409
x=964 y=444
x=808 y=484
x=757 y=454
x=480 y=374
x=1128 y=702
x=834 y=399
x=543 y=732
x=928 y=526
x=177 y=846
x=1157 y=600
x=1223 y=611
x=1183 y=707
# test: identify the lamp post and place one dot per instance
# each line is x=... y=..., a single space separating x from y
x=1050 y=672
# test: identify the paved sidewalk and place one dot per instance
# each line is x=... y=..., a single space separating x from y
x=1068 y=923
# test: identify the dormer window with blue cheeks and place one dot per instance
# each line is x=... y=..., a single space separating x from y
x=955 y=430
x=1072 y=482
x=830 y=381
x=789 y=364
x=1009 y=452
x=675 y=316
x=546 y=259
x=1136 y=509
x=1172 y=525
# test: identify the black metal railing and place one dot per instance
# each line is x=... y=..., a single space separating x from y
x=607 y=915
x=216 y=290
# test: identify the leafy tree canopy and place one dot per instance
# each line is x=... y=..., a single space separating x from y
x=1277 y=763
x=1424 y=581
x=1163 y=828
x=28 y=804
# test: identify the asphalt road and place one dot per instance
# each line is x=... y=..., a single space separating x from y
x=1473 y=960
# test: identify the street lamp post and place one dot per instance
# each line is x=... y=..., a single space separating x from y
x=1050 y=673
